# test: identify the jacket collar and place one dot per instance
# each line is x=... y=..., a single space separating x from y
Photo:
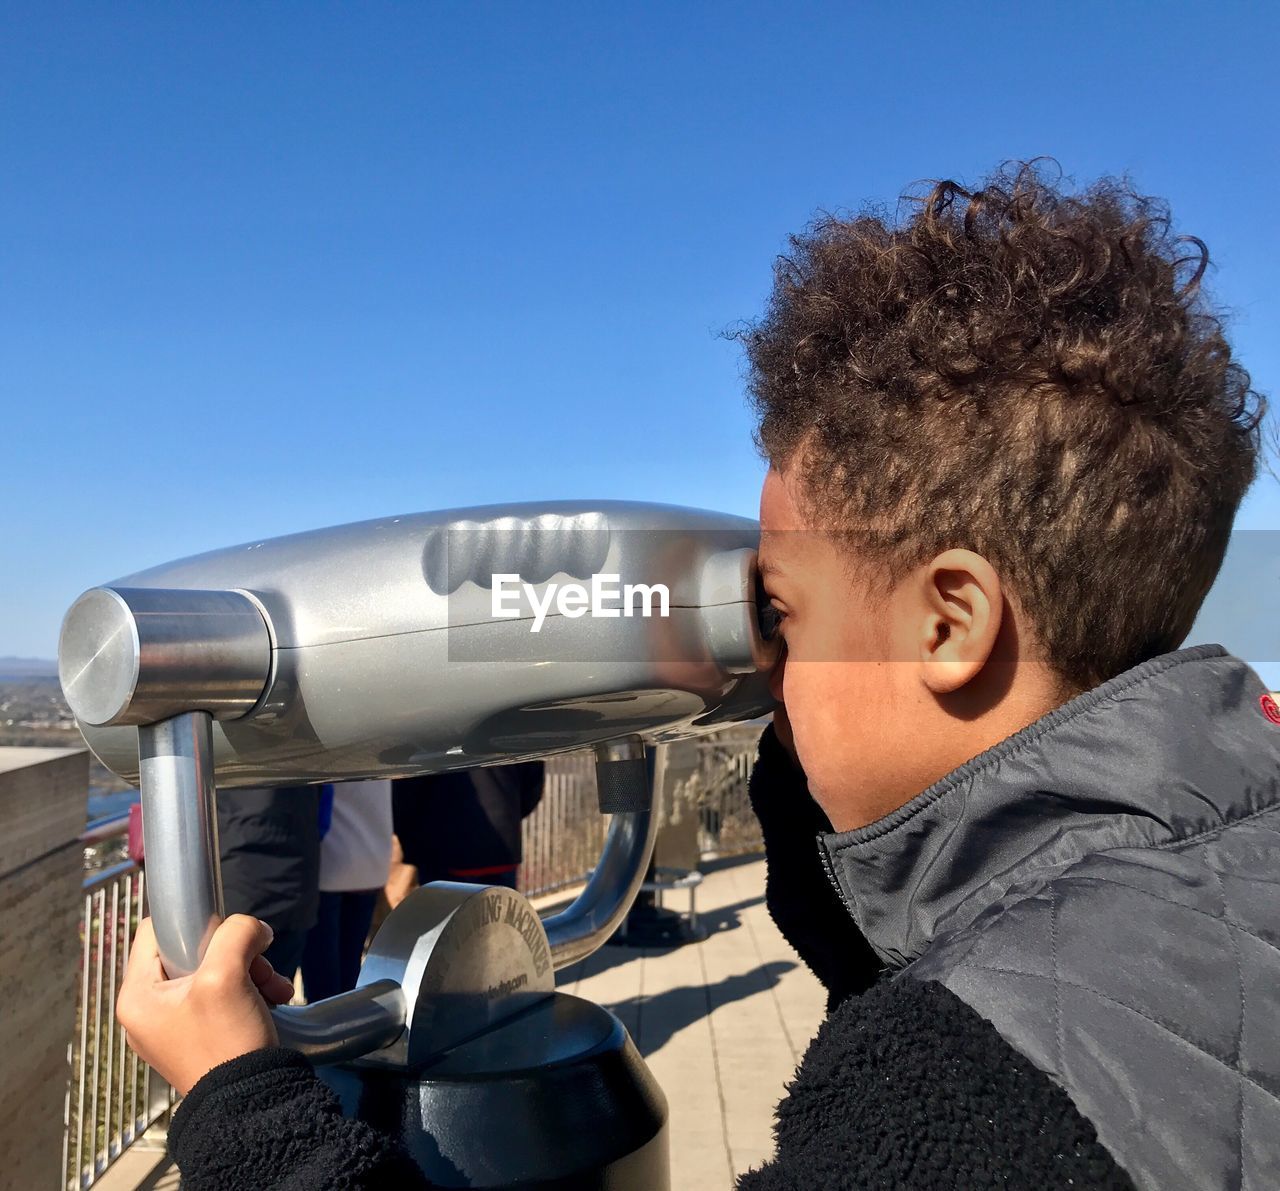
x=1169 y=749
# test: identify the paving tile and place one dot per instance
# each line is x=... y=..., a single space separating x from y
x=699 y=1160
x=748 y=1159
x=758 y=1042
x=679 y=1047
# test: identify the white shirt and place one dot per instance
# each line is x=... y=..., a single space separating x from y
x=355 y=853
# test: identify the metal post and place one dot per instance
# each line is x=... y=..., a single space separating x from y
x=587 y=924
x=180 y=826
x=85 y=953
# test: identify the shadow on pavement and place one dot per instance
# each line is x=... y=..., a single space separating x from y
x=661 y=1017
x=612 y=955
x=721 y=863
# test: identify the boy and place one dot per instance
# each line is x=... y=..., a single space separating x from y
x=1006 y=444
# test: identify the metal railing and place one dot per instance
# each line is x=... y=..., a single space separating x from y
x=563 y=837
x=718 y=788
x=112 y=1095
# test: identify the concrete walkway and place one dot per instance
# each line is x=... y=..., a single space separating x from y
x=722 y=1024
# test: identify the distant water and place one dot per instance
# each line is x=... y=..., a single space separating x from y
x=20 y=669
x=111 y=806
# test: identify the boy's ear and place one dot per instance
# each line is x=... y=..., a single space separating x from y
x=962 y=605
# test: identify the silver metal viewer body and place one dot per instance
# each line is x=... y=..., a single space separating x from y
x=372 y=649
x=383 y=649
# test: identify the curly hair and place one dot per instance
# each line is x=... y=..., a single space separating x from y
x=1032 y=374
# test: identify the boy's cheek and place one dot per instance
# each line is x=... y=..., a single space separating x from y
x=818 y=722
x=848 y=739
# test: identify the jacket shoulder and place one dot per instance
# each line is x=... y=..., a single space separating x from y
x=906 y=1086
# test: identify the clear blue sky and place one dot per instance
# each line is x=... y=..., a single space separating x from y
x=265 y=267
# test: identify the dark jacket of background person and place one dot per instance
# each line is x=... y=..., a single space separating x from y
x=269 y=841
x=1072 y=937
x=465 y=826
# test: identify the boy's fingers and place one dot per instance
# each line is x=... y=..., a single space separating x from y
x=144 y=940
x=260 y=970
x=274 y=987
x=279 y=991
x=144 y=956
x=236 y=943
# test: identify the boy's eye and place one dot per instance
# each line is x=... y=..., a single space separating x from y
x=769 y=616
x=771 y=619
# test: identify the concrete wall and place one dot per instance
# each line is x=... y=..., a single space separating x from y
x=42 y=812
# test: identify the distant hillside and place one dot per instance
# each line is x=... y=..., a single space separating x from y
x=15 y=668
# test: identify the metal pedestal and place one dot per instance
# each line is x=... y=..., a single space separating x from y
x=554 y=1099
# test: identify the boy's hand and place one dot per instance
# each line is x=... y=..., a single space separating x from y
x=186 y=1027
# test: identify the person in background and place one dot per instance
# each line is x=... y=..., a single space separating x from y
x=269 y=840
x=465 y=826
x=355 y=861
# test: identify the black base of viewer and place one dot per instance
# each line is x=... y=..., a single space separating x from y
x=554 y=1099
